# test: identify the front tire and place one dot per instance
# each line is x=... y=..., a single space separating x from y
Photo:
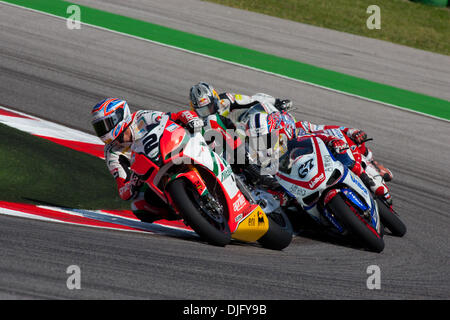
x=184 y=197
x=391 y=220
x=356 y=224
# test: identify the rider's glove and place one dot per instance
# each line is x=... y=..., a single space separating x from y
x=283 y=105
x=194 y=125
x=338 y=146
x=191 y=120
x=358 y=136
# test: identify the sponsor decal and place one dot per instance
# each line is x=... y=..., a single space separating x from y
x=354 y=199
x=296 y=190
x=328 y=163
x=260 y=218
x=187 y=116
x=172 y=127
x=356 y=181
x=239 y=203
x=141 y=125
x=316 y=181
x=204 y=101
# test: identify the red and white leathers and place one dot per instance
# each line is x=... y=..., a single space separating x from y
x=361 y=150
x=118 y=155
x=360 y=154
x=357 y=136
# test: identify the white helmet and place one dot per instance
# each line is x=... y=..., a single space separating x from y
x=110 y=118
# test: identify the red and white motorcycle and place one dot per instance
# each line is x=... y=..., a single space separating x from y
x=180 y=168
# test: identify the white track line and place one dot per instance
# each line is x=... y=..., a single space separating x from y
x=38 y=126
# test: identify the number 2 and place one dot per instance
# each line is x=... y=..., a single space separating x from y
x=150 y=142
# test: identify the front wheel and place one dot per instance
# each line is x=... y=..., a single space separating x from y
x=357 y=225
x=391 y=220
x=210 y=225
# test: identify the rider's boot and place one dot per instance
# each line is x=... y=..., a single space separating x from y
x=377 y=187
x=382 y=170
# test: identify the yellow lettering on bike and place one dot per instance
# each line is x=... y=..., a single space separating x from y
x=252 y=227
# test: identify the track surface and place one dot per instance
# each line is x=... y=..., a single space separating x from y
x=56 y=73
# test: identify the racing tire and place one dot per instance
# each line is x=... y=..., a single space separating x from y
x=179 y=191
x=391 y=220
x=356 y=225
x=276 y=237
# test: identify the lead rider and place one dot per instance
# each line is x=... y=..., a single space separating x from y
x=117 y=127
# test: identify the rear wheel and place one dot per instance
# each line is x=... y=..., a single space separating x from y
x=206 y=220
x=279 y=234
x=390 y=219
x=356 y=224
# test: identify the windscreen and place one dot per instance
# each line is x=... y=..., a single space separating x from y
x=296 y=148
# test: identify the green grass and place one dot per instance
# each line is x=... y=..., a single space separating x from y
x=36 y=171
x=403 y=22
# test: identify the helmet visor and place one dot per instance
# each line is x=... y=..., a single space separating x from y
x=104 y=126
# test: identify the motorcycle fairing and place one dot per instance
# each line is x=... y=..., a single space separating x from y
x=174 y=145
x=252 y=226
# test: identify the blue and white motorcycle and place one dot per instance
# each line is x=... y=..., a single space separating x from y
x=329 y=192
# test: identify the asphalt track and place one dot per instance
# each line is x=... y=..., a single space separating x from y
x=58 y=74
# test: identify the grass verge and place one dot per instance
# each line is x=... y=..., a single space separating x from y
x=37 y=171
x=403 y=22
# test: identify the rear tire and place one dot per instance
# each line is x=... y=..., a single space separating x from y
x=391 y=220
x=356 y=225
x=179 y=190
x=276 y=238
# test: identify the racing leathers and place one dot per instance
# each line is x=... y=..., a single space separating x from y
x=230 y=107
x=229 y=103
x=118 y=155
